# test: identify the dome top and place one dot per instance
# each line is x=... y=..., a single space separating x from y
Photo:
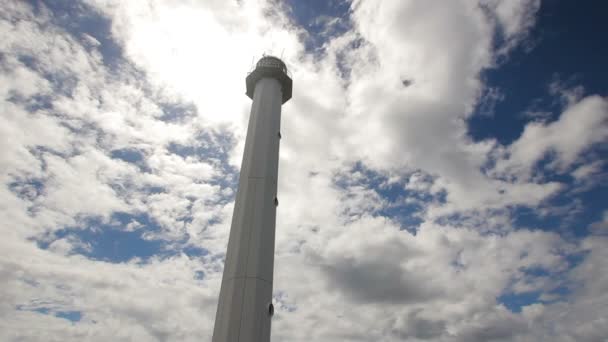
x=271 y=62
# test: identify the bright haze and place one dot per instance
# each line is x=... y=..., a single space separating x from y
x=443 y=168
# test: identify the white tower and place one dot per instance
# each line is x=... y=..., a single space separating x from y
x=245 y=305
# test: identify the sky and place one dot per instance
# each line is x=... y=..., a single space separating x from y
x=443 y=168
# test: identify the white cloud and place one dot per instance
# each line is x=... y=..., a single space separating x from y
x=580 y=126
x=345 y=270
x=583 y=172
x=117 y=301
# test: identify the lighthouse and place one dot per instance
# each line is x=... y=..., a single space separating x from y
x=245 y=307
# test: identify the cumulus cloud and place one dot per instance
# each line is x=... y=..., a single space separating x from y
x=580 y=126
x=147 y=120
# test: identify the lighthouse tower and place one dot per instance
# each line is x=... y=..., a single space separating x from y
x=245 y=306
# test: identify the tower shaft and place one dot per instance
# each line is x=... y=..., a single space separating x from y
x=245 y=304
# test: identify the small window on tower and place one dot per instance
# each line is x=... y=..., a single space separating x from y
x=276 y=202
x=279 y=135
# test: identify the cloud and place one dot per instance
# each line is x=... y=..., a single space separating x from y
x=139 y=125
x=580 y=126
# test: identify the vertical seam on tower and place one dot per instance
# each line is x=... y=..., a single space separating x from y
x=255 y=126
x=246 y=264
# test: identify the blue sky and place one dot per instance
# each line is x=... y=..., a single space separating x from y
x=566 y=47
x=443 y=168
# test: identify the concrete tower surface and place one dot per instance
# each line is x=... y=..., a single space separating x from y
x=245 y=305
